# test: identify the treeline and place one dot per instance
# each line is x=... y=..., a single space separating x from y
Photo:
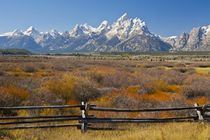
x=14 y=52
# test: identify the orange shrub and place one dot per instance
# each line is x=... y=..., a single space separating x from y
x=15 y=91
x=131 y=91
x=200 y=100
x=176 y=88
x=72 y=102
x=152 y=86
x=108 y=99
x=12 y=96
x=158 y=96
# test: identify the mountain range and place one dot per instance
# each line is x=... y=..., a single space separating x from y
x=126 y=34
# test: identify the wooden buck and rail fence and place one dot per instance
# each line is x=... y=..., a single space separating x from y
x=84 y=120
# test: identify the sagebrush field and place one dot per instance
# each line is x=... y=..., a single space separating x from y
x=122 y=81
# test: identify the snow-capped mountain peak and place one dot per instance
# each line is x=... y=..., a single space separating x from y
x=123 y=18
x=138 y=22
x=138 y=27
x=103 y=24
x=54 y=33
x=123 y=21
x=31 y=31
x=125 y=27
x=103 y=27
x=82 y=30
x=87 y=28
x=77 y=31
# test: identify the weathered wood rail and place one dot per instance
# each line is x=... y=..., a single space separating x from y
x=84 y=120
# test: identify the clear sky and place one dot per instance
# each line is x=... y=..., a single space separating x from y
x=164 y=17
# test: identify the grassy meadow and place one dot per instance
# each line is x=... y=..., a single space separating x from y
x=107 y=80
x=172 y=131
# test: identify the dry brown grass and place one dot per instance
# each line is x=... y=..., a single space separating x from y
x=172 y=131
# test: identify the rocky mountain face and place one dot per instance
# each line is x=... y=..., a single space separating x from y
x=126 y=34
x=197 y=40
x=17 y=39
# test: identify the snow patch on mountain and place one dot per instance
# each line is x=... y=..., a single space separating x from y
x=16 y=32
x=206 y=29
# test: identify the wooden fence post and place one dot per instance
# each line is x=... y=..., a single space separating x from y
x=204 y=110
x=85 y=108
x=199 y=112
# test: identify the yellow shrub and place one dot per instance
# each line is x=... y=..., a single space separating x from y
x=163 y=86
x=126 y=55
x=71 y=87
x=101 y=71
x=176 y=88
x=63 y=86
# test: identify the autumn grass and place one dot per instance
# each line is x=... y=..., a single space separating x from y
x=172 y=131
x=203 y=70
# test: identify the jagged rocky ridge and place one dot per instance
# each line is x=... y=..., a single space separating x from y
x=197 y=40
x=126 y=34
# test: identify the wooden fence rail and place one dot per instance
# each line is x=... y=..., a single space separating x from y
x=43 y=117
x=41 y=107
x=143 y=110
x=85 y=120
x=39 y=117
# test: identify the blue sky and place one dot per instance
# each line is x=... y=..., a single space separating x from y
x=164 y=17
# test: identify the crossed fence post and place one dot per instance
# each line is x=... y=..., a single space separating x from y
x=201 y=112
